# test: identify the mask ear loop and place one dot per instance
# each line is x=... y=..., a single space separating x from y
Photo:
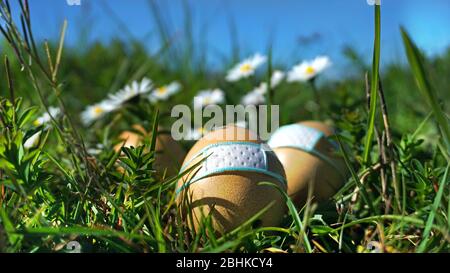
x=311 y=150
x=204 y=152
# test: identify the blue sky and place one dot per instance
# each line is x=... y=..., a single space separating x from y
x=298 y=28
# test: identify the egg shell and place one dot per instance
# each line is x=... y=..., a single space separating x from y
x=169 y=153
x=304 y=169
x=231 y=197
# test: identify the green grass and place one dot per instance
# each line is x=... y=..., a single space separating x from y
x=425 y=86
x=374 y=84
x=57 y=192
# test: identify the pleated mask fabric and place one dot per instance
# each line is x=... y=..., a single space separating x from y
x=231 y=157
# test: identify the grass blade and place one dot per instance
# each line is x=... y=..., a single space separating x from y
x=60 y=50
x=373 y=84
x=362 y=189
x=295 y=216
x=416 y=63
x=429 y=223
x=9 y=227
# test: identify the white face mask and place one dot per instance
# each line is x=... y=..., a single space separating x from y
x=296 y=136
x=303 y=138
x=230 y=157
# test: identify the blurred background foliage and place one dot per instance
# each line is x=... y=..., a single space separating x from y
x=90 y=74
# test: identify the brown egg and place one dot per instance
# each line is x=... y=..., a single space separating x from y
x=322 y=167
x=169 y=153
x=233 y=196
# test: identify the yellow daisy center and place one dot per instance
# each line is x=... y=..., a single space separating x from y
x=207 y=101
x=246 y=68
x=161 y=90
x=98 y=110
x=310 y=70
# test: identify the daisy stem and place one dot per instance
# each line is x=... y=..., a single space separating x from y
x=317 y=99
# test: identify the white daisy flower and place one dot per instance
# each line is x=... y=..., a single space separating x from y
x=256 y=96
x=246 y=68
x=165 y=91
x=277 y=77
x=131 y=91
x=96 y=111
x=208 y=97
x=261 y=89
x=308 y=70
x=32 y=141
x=253 y=98
x=47 y=117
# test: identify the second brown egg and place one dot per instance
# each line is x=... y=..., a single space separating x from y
x=169 y=154
x=309 y=157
